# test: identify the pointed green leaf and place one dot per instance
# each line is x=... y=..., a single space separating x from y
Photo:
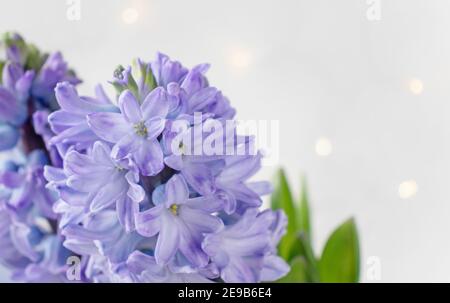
x=133 y=87
x=282 y=199
x=306 y=250
x=34 y=58
x=150 y=80
x=298 y=273
x=145 y=74
x=289 y=247
x=303 y=214
x=2 y=64
x=340 y=257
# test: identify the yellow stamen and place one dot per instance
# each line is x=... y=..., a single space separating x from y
x=174 y=209
x=141 y=129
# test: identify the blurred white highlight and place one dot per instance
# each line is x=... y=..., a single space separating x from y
x=324 y=147
x=407 y=189
x=130 y=15
x=416 y=86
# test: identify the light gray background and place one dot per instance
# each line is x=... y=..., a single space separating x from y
x=322 y=69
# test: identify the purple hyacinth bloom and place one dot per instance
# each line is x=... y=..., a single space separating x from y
x=26 y=186
x=134 y=131
x=231 y=183
x=27 y=85
x=179 y=221
x=50 y=267
x=105 y=181
x=274 y=267
x=101 y=234
x=9 y=255
x=69 y=123
x=54 y=70
x=221 y=176
x=167 y=71
x=14 y=93
x=30 y=251
x=209 y=100
x=190 y=88
x=71 y=204
x=29 y=244
x=15 y=51
x=139 y=206
x=143 y=268
x=42 y=128
x=138 y=268
x=180 y=142
x=240 y=249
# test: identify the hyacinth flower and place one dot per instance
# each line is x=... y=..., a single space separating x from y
x=30 y=242
x=69 y=124
x=134 y=131
x=144 y=268
x=141 y=187
x=104 y=181
x=216 y=175
x=232 y=186
x=14 y=93
x=136 y=205
x=241 y=250
x=53 y=71
x=101 y=234
x=42 y=128
x=28 y=80
x=179 y=221
x=30 y=245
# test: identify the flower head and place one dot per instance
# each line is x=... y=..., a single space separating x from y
x=27 y=84
x=30 y=245
x=242 y=250
x=95 y=181
x=179 y=221
x=69 y=123
x=141 y=187
x=143 y=200
x=134 y=131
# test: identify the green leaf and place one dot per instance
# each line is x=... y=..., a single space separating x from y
x=282 y=199
x=303 y=218
x=150 y=80
x=298 y=273
x=306 y=250
x=34 y=58
x=146 y=74
x=289 y=247
x=2 y=64
x=133 y=87
x=10 y=39
x=340 y=257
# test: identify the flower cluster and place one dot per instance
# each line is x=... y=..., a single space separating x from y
x=153 y=185
x=136 y=199
x=30 y=244
x=28 y=79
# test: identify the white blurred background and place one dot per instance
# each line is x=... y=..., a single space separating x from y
x=361 y=92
